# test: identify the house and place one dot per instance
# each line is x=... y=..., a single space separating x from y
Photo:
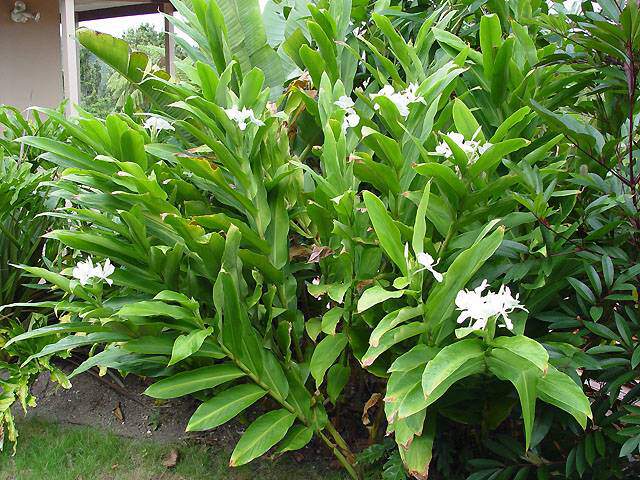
x=38 y=51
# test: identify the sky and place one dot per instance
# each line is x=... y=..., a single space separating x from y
x=117 y=26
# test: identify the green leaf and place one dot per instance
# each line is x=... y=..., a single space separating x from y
x=392 y=320
x=465 y=122
x=439 y=374
x=420 y=224
x=386 y=230
x=74 y=341
x=54 y=329
x=582 y=289
x=262 y=434
x=337 y=379
x=418 y=355
x=187 y=345
x=325 y=354
x=507 y=365
x=560 y=390
x=525 y=348
x=330 y=320
x=576 y=130
x=389 y=339
x=296 y=438
x=184 y=383
x=224 y=406
x=490 y=159
x=417 y=456
x=375 y=295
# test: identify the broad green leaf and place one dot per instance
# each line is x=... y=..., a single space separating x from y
x=73 y=341
x=330 y=320
x=560 y=390
x=386 y=230
x=337 y=379
x=525 y=348
x=187 y=345
x=513 y=368
x=392 y=320
x=296 y=438
x=420 y=224
x=577 y=131
x=389 y=339
x=417 y=456
x=375 y=295
x=465 y=122
x=262 y=434
x=325 y=354
x=417 y=356
x=184 y=383
x=54 y=329
x=224 y=406
x=438 y=374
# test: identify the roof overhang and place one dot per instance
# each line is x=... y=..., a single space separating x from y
x=100 y=9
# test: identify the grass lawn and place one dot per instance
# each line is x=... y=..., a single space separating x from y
x=56 y=452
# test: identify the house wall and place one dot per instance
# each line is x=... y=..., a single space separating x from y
x=30 y=56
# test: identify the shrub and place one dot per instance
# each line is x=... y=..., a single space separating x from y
x=374 y=203
x=23 y=199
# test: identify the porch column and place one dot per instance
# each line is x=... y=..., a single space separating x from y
x=169 y=41
x=70 y=70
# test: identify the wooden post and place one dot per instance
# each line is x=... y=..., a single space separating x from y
x=70 y=70
x=169 y=41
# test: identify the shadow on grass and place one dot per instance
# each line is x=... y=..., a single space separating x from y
x=58 y=452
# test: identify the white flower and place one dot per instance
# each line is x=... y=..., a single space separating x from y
x=157 y=123
x=351 y=118
x=427 y=263
x=243 y=117
x=401 y=100
x=344 y=102
x=480 y=308
x=471 y=148
x=85 y=271
x=104 y=272
x=484 y=147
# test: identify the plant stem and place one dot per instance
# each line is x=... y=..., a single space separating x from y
x=341 y=458
x=338 y=448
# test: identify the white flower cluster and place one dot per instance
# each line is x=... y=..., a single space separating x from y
x=470 y=147
x=156 y=124
x=85 y=271
x=480 y=308
x=243 y=117
x=351 y=118
x=401 y=99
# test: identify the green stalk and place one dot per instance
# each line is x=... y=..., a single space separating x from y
x=341 y=458
x=330 y=428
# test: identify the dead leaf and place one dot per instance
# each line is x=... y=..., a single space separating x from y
x=373 y=400
x=117 y=412
x=170 y=460
x=298 y=251
x=318 y=253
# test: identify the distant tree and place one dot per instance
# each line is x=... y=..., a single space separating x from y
x=94 y=96
x=102 y=90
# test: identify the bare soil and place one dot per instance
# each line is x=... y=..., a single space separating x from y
x=119 y=408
